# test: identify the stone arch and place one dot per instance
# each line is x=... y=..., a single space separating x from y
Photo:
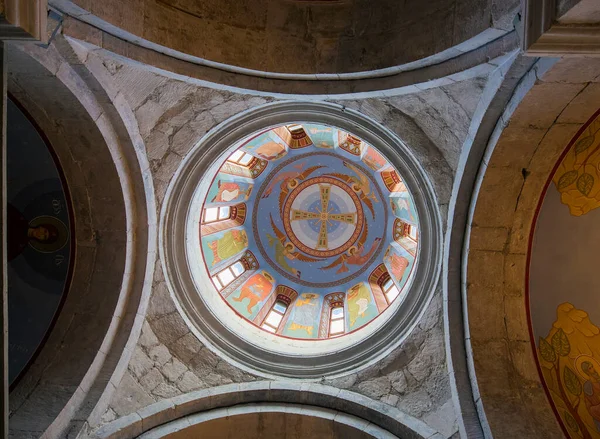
x=87 y=349
x=529 y=138
x=382 y=416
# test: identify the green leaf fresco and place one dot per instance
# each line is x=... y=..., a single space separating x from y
x=567 y=179
x=571 y=422
x=547 y=351
x=584 y=144
x=560 y=343
x=585 y=183
x=572 y=383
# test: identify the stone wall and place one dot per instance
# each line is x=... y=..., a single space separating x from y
x=526 y=150
x=300 y=37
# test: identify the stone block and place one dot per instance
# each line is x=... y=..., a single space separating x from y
x=164 y=390
x=516 y=146
x=140 y=364
x=157 y=414
x=159 y=354
x=147 y=338
x=169 y=328
x=129 y=396
x=186 y=347
x=488 y=238
x=574 y=70
x=123 y=428
x=375 y=388
x=543 y=104
x=498 y=197
x=514 y=275
x=173 y=369
x=193 y=402
x=161 y=303
x=583 y=106
x=189 y=382
x=152 y=379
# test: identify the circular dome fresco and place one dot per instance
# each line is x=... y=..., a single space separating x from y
x=300 y=239
x=308 y=232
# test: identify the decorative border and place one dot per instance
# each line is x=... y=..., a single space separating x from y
x=237 y=340
x=360 y=217
x=299 y=281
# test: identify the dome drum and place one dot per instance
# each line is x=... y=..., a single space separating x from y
x=337 y=235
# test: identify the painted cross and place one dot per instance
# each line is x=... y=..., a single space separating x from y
x=323 y=216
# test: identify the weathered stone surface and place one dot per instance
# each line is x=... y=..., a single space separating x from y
x=159 y=354
x=173 y=369
x=140 y=364
x=152 y=379
x=375 y=388
x=129 y=397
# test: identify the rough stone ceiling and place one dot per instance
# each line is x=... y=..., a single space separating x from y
x=306 y=37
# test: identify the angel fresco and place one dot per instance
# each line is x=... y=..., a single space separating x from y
x=284 y=178
x=355 y=255
x=360 y=184
x=285 y=250
x=290 y=183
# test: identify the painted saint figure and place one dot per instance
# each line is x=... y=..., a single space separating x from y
x=591 y=390
x=397 y=265
x=305 y=313
x=230 y=244
x=359 y=298
x=45 y=234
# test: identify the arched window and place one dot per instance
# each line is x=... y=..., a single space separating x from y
x=275 y=316
x=336 y=320
x=240 y=158
x=390 y=290
x=215 y=214
x=228 y=275
x=412 y=232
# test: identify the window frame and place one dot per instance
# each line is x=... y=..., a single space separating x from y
x=332 y=308
x=217 y=280
x=274 y=311
x=219 y=208
x=239 y=161
x=386 y=291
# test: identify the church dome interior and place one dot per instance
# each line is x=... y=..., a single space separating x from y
x=308 y=232
x=329 y=219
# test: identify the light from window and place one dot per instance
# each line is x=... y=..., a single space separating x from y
x=228 y=275
x=336 y=321
x=390 y=290
x=275 y=316
x=412 y=232
x=240 y=157
x=236 y=156
x=213 y=214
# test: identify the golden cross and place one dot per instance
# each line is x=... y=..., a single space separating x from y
x=323 y=216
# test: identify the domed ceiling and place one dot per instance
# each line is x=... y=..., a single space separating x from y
x=308 y=232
